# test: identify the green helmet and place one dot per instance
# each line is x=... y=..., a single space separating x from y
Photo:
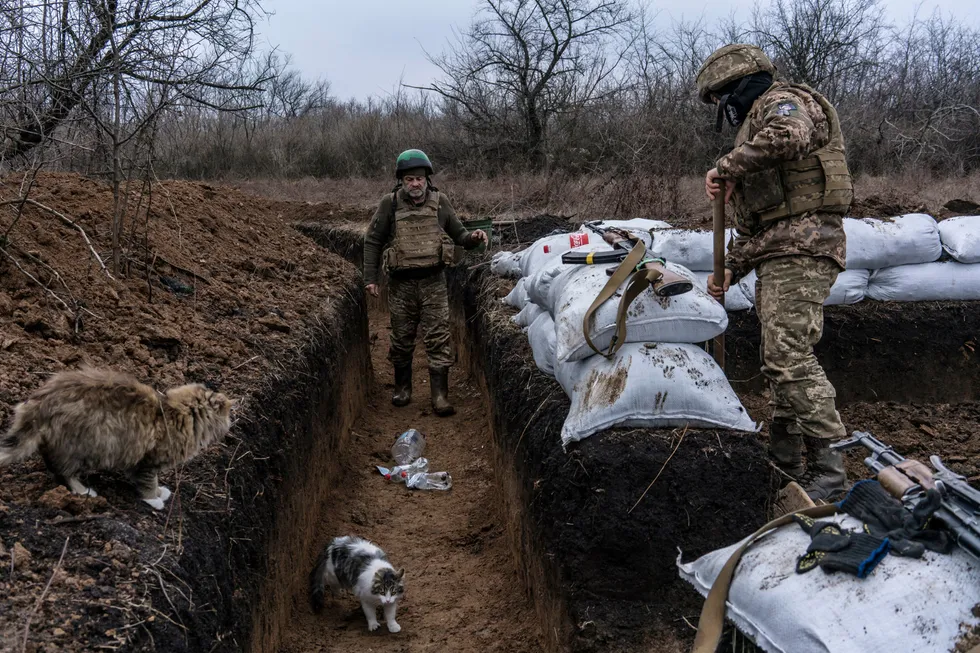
x=410 y=159
x=729 y=63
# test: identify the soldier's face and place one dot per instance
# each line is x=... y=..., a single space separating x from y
x=415 y=185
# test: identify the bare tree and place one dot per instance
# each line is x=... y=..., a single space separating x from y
x=523 y=61
x=819 y=42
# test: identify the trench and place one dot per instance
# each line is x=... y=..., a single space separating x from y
x=536 y=549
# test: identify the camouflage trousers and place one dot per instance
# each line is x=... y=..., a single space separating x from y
x=789 y=294
x=425 y=302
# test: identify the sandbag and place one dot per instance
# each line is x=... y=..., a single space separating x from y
x=541 y=334
x=961 y=238
x=527 y=315
x=927 y=281
x=850 y=288
x=692 y=249
x=906 y=239
x=648 y=385
x=691 y=317
x=735 y=299
x=550 y=247
x=506 y=264
x=539 y=283
x=905 y=605
x=517 y=297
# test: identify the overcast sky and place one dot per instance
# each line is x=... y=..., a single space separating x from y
x=364 y=47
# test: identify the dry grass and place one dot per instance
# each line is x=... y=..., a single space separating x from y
x=680 y=200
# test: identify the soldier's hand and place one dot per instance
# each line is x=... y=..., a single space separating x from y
x=711 y=185
x=372 y=289
x=478 y=236
x=714 y=290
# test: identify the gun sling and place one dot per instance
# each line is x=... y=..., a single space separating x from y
x=712 y=620
x=639 y=279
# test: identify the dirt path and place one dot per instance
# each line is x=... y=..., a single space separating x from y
x=462 y=589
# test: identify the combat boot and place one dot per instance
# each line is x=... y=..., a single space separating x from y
x=825 y=470
x=786 y=448
x=403 y=385
x=439 y=380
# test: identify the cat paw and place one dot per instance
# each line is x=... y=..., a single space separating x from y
x=163 y=492
x=373 y=626
x=393 y=627
x=156 y=504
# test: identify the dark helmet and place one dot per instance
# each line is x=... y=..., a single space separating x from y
x=410 y=159
x=729 y=63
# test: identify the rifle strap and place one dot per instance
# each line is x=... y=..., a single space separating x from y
x=712 y=620
x=623 y=272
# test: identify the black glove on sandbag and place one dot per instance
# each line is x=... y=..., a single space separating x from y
x=833 y=549
x=887 y=517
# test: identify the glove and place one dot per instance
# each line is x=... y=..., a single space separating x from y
x=834 y=549
x=885 y=516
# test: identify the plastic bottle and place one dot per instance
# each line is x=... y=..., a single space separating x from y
x=430 y=481
x=408 y=446
x=402 y=473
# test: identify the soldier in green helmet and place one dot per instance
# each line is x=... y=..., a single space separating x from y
x=414 y=234
x=789 y=183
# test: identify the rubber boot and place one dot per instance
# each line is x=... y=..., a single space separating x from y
x=786 y=448
x=403 y=385
x=439 y=380
x=825 y=470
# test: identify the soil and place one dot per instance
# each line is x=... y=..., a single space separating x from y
x=196 y=304
x=463 y=592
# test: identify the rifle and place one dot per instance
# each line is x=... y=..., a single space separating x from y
x=908 y=481
x=665 y=282
x=635 y=266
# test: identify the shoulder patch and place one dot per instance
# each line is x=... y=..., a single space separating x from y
x=787 y=109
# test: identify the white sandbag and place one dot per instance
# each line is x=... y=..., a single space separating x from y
x=517 y=297
x=633 y=224
x=735 y=298
x=850 y=288
x=925 y=282
x=539 y=283
x=904 y=605
x=541 y=334
x=506 y=264
x=527 y=315
x=906 y=239
x=648 y=385
x=550 y=247
x=692 y=249
x=961 y=238
x=691 y=317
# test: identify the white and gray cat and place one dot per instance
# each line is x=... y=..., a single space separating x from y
x=354 y=564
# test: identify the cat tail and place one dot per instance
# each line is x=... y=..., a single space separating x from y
x=318 y=582
x=22 y=439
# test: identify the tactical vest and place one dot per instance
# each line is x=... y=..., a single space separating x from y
x=418 y=240
x=820 y=182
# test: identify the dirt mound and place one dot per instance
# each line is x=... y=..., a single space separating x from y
x=219 y=290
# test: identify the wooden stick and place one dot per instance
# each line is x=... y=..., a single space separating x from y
x=71 y=223
x=718 y=345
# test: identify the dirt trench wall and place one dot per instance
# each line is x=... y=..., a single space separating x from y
x=239 y=560
x=603 y=578
x=879 y=351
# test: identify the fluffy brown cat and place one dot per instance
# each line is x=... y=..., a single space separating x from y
x=91 y=419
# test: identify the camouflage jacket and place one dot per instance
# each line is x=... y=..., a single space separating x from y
x=380 y=231
x=784 y=124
